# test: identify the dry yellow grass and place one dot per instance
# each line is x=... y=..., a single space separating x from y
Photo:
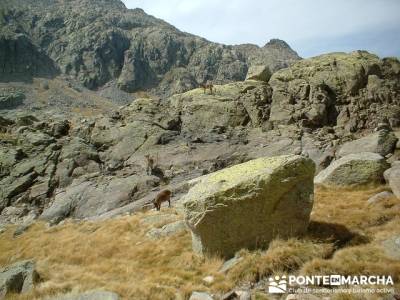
x=115 y=255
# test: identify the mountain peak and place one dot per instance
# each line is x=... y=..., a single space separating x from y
x=277 y=43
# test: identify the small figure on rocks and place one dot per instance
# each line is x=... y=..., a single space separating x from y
x=149 y=164
x=208 y=86
x=161 y=197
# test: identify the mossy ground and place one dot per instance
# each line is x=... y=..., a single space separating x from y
x=344 y=238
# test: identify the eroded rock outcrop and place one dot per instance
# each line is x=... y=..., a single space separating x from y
x=354 y=91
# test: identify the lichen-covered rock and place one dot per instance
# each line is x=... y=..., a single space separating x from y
x=261 y=73
x=247 y=205
x=337 y=89
x=354 y=169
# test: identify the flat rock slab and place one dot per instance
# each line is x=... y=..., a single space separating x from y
x=381 y=142
x=247 y=205
x=354 y=169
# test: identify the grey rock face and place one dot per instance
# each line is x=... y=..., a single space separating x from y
x=18 y=278
x=88 y=198
x=354 y=169
x=20 y=58
x=243 y=206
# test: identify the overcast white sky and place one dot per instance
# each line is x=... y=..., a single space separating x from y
x=311 y=27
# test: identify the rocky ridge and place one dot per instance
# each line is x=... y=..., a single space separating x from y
x=106 y=46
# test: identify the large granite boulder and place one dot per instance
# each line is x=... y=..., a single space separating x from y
x=382 y=142
x=18 y=278
x=354 y=169
x=247 y=205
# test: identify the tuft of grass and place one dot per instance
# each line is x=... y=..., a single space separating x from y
x=282 y=257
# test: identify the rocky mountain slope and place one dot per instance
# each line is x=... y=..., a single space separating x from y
x=56 y=166
x=104 y=45
x=68 y=153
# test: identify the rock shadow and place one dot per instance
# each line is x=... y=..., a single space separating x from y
x=338 y=234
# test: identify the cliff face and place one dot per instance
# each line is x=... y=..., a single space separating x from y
x=100 y=42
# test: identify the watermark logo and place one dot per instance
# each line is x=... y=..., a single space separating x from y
x=329 y=284
x=277 y=285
